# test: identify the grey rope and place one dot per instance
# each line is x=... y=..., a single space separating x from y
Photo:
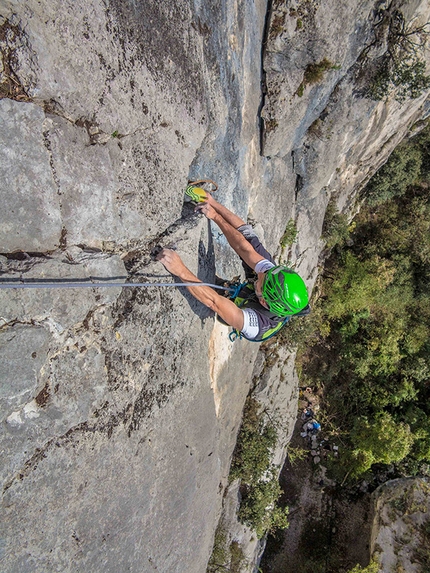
x=102 y=284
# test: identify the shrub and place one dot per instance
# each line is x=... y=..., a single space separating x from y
x=296 y=454
x=290 y=234
x=255 y=443
x=336 y=228
x=373 y=567
x=400 y=69
x=314 y=73
x=402 y=170
x=258 y=506
x=252 y=465
x=225 y=558
x=237 y=557
x=220 y=556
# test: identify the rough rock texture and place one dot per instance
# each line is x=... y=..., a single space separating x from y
x=333 y=136
x=401 y=526
x=120 y=408
x=276 y=388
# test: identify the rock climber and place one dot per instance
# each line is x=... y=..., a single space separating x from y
x=275 y=293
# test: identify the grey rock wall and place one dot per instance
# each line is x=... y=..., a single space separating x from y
x=400 y=522
x=120 y=407
x=333 y=135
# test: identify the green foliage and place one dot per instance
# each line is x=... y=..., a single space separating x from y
x=336 y=228
x=258 y=506
x=237 y=557
x=406 y=78
x=367 y=341
x=296 y=454
x=373 y=567
x=357 y=285
x=314 y=73
x=219 y=557
x=402 y=170
x=252 y=465
x=410 y=78
x=255 y=443
x=382 y=440
x=400 y=70
x=301 y=329
x=225 y=557
x=290 y=234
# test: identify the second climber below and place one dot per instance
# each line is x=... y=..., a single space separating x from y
x=274 y=292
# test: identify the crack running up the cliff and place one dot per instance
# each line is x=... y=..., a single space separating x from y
x=263 y=83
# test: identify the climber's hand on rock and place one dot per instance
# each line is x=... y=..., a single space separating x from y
x=207 y=209
x=172 y=262
x=209 y=199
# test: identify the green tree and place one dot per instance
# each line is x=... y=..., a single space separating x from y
x=371 y=350
x=402 y=170
x=382 y=440
x=356 y=285
x=254 y=446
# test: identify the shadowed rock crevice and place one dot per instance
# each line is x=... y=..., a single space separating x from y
x=263 y=83
x=11 y=36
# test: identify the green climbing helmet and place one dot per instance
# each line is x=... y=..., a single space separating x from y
x=284 y=291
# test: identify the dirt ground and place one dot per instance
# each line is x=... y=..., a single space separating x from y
x=329 y=526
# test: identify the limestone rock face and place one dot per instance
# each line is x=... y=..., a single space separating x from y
x=318 y=62
x=120 y=407
x=400 y=524
x=30 y=217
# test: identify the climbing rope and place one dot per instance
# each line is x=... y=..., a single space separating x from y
x=55 y=284
x=90 y=284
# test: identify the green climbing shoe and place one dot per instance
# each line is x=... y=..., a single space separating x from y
x=195 y=194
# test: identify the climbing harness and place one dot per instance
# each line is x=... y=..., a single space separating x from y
x=235 y=290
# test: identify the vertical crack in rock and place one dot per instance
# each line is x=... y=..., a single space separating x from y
x=47 y=143
x=263 y=82
x=299 y=178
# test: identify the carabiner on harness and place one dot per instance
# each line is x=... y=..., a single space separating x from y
x=235 y=289
x=234 y=335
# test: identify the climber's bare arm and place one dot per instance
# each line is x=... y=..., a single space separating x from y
x=224 y=307
x=225 y=213
x=229 y=227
